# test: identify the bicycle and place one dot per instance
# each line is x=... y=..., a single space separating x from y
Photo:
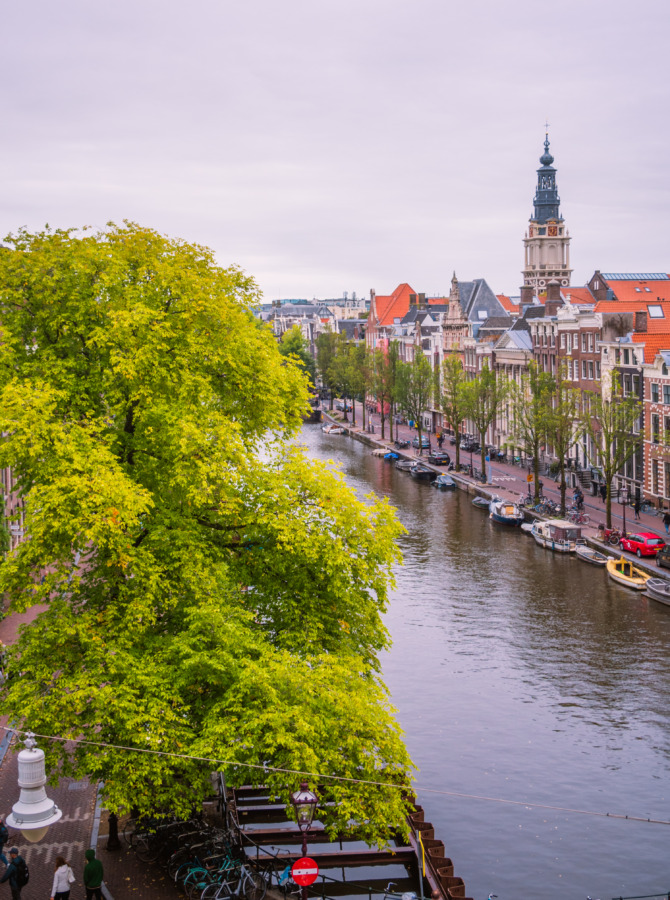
x=390 y=895
x=252 y=885
x=577 y=517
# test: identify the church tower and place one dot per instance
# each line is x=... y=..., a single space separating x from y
x=547 y=242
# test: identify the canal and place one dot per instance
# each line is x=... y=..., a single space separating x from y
x=523 y=676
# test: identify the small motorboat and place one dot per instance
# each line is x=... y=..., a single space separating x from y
x=590 y=555
x=483 y=502
x=422 y=473
x=391 y=456
x=405 y=464
x=444 y=482
x=557 y=535
x=624 y=572
x=527 y=527
x=505 y=512
x=333 y=429
x=658 y=589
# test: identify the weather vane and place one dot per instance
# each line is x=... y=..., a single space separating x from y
x=546 y=127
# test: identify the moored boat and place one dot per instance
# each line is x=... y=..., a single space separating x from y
x=444 y=482
x=624 y=572
x=557 y=535
x=483 y=502
x=405 y=464
x=590 y=555
x=527 y=527
x=391 y=456
x=505 y=512
x=422 y=473
x=658 y=589
x=333 y=429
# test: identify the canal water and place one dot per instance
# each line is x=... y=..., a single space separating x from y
x=524 y=676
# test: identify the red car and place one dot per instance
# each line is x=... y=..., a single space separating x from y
x=643 y=543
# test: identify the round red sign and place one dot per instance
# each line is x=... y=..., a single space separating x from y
x=304 y=871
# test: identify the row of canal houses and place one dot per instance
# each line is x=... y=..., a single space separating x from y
x=614 y=322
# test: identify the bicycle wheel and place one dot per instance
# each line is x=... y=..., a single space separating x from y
x=584 y=519
x=255 y=885
x=613 y=540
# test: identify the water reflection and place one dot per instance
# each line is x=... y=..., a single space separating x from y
x=525 y=675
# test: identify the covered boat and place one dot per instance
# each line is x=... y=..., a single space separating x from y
x=483 y=502
x=391 y=456
x=527 y=527
x=444 y=482
x=624 y=572
x=591 y=555
x=333 y=429
x=557 y=535
x=422 y=473
x=658 y=589
x=505 y=512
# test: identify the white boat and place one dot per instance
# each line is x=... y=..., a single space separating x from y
x=333 y=429
x=505 y=512
x=527 y=527
x=590 y=555
x=658 y=589
x=557 y=535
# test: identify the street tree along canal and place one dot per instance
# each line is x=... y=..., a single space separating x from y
x=525 y=676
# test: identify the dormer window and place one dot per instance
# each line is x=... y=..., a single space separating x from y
x=655 y=311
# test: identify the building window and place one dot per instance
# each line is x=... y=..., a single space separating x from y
x=569 y=370
x=655 y=312
x=544 y=363
x=667 y=478
x=584 y=343
x=626 y=358
x=666 y=394
x=583 y=368
x=666 y=429
x=563 y=341
x=626 y=384
x=636 y=385
x=654 y=393
x=590 y=342
x=590 y=370
x=655 y=426
x=654 y=476
x=598 y=369
x=553 y=339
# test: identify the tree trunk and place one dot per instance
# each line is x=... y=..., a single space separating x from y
x=536 y=471
x=391 y=421
x=113 y=842
x=458 y=447
x=353 y=411
x=383 y=419
x=608 y=502
x=563 y=485
x=482 y=453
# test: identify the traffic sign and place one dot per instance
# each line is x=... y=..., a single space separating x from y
x=304 y=871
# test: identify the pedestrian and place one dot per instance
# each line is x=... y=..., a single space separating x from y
x=4 y=837
x=440 y=440
x=603 y=492
x=93 y=876
x=666 y=521
x=16 y=873
x=63 y=878
x=636 y=507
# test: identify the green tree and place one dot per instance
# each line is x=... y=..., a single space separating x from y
x=452 y=400
x=483 y=396
x=198 y=599
x=360 y=376
x=610 y=420
x=563 y=426
x=382 y=385
x=415 y=390
x=531 y=407
x=326 y=348
x=293 y=343
x=342 y=374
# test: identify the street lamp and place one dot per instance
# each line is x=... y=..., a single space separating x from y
x=304 y=802
x=623 y=499
x=34 y=812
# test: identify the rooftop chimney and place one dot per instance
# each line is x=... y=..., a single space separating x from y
x=412 y=300
x=641 y=322
x=554 y=301
x=526 y=294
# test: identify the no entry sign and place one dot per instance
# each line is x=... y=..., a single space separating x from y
x=304 y=871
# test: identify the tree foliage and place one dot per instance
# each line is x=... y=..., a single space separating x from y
x=415 y=389
x=483 y=396
x=293 y=343
x=198 y=599
x=452 y=401
x=531 y=407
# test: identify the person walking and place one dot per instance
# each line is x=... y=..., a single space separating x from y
x=637 y=506
x=63 y=878
x=16 y=873
x=666 y=521
x=603 y=492
x=93 y=875
x=440 y=440
x=4 y=837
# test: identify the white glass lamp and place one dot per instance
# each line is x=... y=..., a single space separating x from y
x=34 y=812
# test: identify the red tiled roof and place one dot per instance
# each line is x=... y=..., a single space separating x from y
x=633 y=305
x=394 y=306
x=653 y=343
x=581 y=295
x=507 y=304
x=625 y=290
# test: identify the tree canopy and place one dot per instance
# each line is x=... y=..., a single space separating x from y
x=294 y=343
x=199 y=598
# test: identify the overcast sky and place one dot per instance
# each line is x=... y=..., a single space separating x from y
x=328 y=146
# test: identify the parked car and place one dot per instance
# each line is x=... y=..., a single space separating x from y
x=663 y=557
x=643 y=543
x=439 y=458
x=425 y=442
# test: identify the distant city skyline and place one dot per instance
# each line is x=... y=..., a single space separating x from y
x=336 y=146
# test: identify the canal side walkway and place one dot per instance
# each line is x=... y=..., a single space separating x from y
x=508 y=482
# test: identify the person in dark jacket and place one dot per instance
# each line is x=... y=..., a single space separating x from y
x=93 y=876
x=15 y=861
x=666 y=522
x=603 y=492
x=4 y=837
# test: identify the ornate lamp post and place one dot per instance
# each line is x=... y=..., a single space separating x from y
x=304 y=802
x=34 y=812
x=623 y=499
